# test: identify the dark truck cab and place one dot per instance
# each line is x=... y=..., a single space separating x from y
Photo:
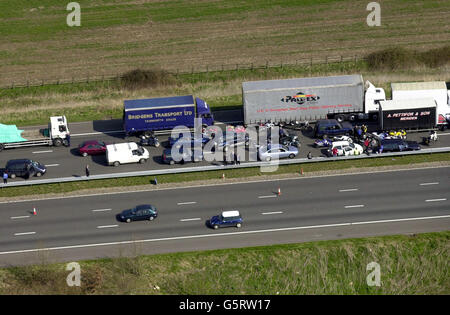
x=331 y=127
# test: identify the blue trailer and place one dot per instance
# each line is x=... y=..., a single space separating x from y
x=144 y=116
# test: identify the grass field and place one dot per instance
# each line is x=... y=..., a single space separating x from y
x=120 y=35
x=416 y=264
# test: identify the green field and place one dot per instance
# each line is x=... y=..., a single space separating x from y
x=120 y=35
x=416 y=264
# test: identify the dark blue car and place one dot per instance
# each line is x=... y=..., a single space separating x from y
x=141 y=212
x=226 y=219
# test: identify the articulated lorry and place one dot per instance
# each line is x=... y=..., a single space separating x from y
x=144 y=116
x=342 y=98
x=57 y=134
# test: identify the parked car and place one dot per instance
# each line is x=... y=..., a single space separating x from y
x=194 y=157
x=185 y=141
x=391 y=145
x=138 y=213
x=24 y=168
x=331 y=127
x=230 y=140
x=276 y=151
x=149 y=141
x=345 y=148
x=226 y=219
x=92 y=147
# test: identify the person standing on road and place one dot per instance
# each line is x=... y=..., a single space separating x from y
x=87 y=171
x=5 y=177
x=68 y=139
x=335 y=152
x=366 y=145
x=238 y=159
x=309 y=156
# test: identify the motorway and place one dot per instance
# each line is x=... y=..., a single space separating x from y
x=310 y=208
x=66 y=162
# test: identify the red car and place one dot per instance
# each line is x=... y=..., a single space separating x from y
x=92 y=147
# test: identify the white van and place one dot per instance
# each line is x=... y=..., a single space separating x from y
x=122 y=153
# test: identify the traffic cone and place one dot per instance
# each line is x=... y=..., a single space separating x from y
x=34 y=211
x=279 y=191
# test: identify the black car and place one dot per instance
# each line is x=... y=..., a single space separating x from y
x=196 y=156
x=138 y=213
x=24 y=168
x=391 y=145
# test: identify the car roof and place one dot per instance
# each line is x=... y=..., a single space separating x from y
x=138 y=207
x=233 y=213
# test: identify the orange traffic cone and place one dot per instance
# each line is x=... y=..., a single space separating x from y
x=279 y=191
x=34 y=211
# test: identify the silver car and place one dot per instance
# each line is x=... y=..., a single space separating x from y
x=276 y=151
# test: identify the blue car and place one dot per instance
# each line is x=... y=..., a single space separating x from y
x=183 y=141
x=226 y=219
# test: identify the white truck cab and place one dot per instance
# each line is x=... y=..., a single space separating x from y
x=123 y=153
x=58 y=130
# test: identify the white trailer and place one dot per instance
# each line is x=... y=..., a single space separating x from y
x=434 y=89
x=57 y=134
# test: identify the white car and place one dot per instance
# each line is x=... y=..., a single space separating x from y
x=345 y=148
x=343 y=138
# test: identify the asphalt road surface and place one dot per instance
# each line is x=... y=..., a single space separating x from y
x=316 y=208
x=66 y=162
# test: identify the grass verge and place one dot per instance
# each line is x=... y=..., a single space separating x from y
x=214 y=175
x=417 y=264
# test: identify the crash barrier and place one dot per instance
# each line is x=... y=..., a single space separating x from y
x=220 y=167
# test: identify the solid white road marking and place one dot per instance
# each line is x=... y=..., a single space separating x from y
x=426 y=184
x=355 y=206
x=346 y=190
x=101 y=210
x=433 y=200
x=275 y=212
x=24 y=233
x=193 y=219
x=106 y=226
x=270 y=196
x=37 y=152
x=224 y=234
x=20 y=217
x=186 y=203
